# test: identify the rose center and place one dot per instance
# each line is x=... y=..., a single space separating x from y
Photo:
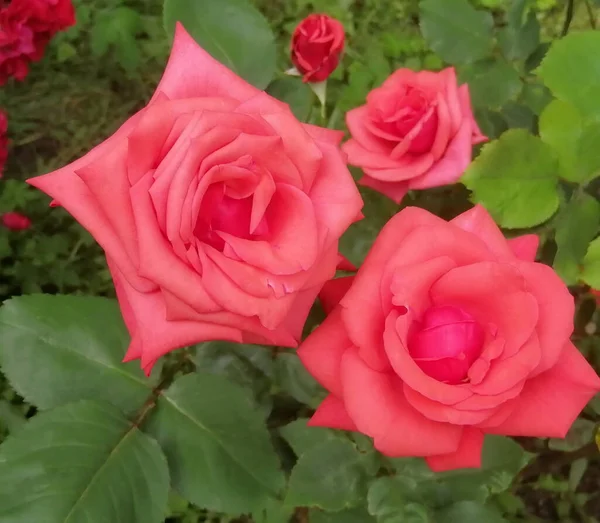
x=445 y=342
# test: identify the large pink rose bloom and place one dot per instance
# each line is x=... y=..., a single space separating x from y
x=416 y=131
x=219 y=212
x=448 y=332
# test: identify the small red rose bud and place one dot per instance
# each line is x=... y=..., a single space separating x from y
x=15 y=221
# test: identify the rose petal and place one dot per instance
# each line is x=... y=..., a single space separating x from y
x=525 y=247
x=378 y=409
x=332 y=413
x=468 y=454
x=393 y=190
x=356 y=120
x=333 y=291
x=550 y=403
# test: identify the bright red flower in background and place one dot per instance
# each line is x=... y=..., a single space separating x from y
x=416 y=131
x=316 y=47
x=26 y=27
x=448 y=332
x=15 y=221
x=219 y=212
x=3 y=141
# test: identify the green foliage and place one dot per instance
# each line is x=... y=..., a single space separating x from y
x=572 y=72
x=492 y=83
x=217 y=445
x=590 y=273
x=521 y=36
x=295 y=93
x=456 y=31
x=515 y=178
x=56 y=348
x=232 y=31
x=82 y=463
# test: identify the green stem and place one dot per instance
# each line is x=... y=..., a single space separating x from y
x=568 y=17
x=591 y=14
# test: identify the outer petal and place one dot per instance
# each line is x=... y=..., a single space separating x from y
x=379 y=409
x=393 y=190
x=191 y=72
x=525 y=247
x=479 y=222
x=321 y=134
x=322 y=352
x=332 y=413
x=356 y=120
x=451 y=166
x=333 y=291
x=468 y=454
x=550 y=403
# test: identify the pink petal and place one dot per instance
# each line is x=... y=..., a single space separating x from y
x=467 y=456
x=321 y=353
x=333 y=291
x=378 y=408
x=356 y=121
x=393 y=190
x=332 y=413
x=322 y=134
x=525 y=247
x=550 y=403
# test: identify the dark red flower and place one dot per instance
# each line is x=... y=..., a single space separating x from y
x=15 y=221
x=317 y=44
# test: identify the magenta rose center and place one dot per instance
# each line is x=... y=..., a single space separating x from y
x=445 y=342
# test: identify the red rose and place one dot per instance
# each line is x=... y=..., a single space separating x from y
x=45 y=17
x=219 y=212
x=416 y=131
x=3 y=141
x=448 y=332
x=15 y=221
x=317 y=44
x=17 y=46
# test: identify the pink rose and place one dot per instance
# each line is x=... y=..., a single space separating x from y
x=416 y=131
x=448 y=332
x=219 y=212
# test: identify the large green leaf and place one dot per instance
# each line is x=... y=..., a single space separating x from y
x=82 y=463
x=293 y=378
x=294 y=92
x=590 y=273
x=396 y=500
x=515 y=179
x=302 y=438
x=469 y=512
x=328 y=476
x=56 y=348
x=232 y=31
x=571 y=70
x=217 y=444
x=492 y=83
x=576 y=226
x=521 y=35
x=456 y=31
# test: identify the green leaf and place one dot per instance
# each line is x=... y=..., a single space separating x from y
x=519 y=116
x=357 y=515
x=82 y=463
x=327 y=476
x=502 y=458
x=302 y=438
x=456 y=31
x=492 y=83
x=56 y=348
x=11 y=418
x=295 y=93
x=521 y=36
x=588 y=152
x=581 y=432
x=469 y=512
x=218 y=447
x=392 y=499
x=590 y=273
x=249 y=366
x=576 y=226
x=571 y=70
x=560 y=126
x=274 y=512
x=292 y=377
x=233 y=31
x=515 y=179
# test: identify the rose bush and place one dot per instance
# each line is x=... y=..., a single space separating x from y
x=219 y=212
x=26 y=27
x=447 y=332
x=416 y=131
x=3 y=140
x=316 y=47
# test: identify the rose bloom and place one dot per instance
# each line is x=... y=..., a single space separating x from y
x=45 y=17
x=219 y=212
x=416 y=131
x=316 y=47
x=15 y=221
x=3 y=141
x=448 y=332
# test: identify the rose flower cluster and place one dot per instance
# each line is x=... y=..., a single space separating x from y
x=220 y=215
x=26 y=27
